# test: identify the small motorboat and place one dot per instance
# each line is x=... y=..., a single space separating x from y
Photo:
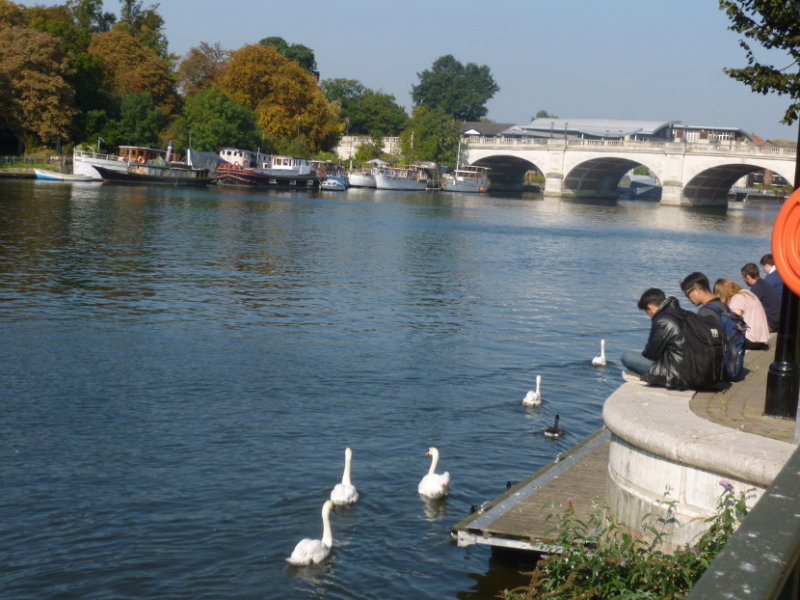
x=47 y=175
x=333 y=185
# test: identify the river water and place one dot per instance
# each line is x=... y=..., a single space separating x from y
x=182 y=370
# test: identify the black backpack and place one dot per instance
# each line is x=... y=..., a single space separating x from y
x=733 y=329
x=704 y=357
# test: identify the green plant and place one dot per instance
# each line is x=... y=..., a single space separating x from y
x=600 y=559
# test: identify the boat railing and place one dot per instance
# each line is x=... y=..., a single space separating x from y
x=95 y=155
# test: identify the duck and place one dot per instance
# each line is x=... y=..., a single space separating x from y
x=308 y=551
x=534 y=398
x=434 y=485
x=554 y=431
x=600 y=361
x=345 y=493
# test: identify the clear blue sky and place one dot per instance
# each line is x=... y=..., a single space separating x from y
x=630 y=59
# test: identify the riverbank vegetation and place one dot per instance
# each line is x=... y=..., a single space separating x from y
x=78 y=74
x=601 y=560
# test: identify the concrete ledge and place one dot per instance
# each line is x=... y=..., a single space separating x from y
x=660 y=422
x=663 y=452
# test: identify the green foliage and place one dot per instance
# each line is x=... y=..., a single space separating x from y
x=543 y=114
x=432 y=135
x=211 y=120
x=369 y=150
x=299 y=53
x=146 y=25
x=775 y=25
x=602 y=561
x=460 y=91
x=140 y=122
x=641 y=170
x=365 y=111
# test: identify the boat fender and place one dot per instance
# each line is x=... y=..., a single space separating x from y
x=140 y=160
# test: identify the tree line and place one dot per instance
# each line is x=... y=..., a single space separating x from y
x=74 y=73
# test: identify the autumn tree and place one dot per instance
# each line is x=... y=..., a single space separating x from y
x=200 y=67
x=286 y=98
x=431 y=134
x=144 y=24
x=303 y=55
x=211 y=120
x=34 y=71
x=460 y=91
x=134 y=68
x=11 y=15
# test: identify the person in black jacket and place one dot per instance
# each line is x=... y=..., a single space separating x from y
x=661 y=360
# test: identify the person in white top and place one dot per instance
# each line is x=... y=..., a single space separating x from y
x=745 y=303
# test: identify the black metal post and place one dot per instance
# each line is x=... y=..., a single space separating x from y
x=783 y=379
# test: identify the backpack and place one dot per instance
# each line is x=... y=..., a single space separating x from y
x=704 y=357
x=733 y=328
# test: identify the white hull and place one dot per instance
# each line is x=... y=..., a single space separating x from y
x=46 y=175
x=83 y=164
x=389 y=182
x=365 y=180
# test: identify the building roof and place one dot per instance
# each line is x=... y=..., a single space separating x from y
x=482 y=128
x=597 y=127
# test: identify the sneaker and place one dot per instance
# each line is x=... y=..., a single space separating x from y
x=632 y=377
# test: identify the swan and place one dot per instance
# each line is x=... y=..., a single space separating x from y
x=345 y=492
x=434 y=485
x=534 y=398
x=308 y=551
x=600 y=361
x=554 y=431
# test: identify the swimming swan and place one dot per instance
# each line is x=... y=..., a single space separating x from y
x=534 y=398
x=434 y=485
x=554 y=431
x=345 y=492
x=308 y=551
x=600 y=361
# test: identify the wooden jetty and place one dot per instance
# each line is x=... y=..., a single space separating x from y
x=519 y=518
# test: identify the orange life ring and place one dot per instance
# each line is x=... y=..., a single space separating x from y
x=786 y=242
x=140 y=160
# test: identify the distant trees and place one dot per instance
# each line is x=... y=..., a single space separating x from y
x=200 y=67
x=460 y=91
x=432 y=134
x=37 y=100
x=775 y=24
x=302 y=55
x=211 y=120
x=543 y=114
x=365 y=111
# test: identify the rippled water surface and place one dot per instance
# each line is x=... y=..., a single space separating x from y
x=182 y=370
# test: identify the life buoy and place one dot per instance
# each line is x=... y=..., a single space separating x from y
x=140 y=160
x=786 y=242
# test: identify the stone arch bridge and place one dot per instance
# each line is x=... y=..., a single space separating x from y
x=691 y=174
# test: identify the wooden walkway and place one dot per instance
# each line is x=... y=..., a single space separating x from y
x=519 y=518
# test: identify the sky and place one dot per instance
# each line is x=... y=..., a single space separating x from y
x=620 y=59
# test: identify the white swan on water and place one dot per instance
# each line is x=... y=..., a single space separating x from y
x=308 y=551
x=534 y=398
x=600 y=361
x=434 y=485
x=345 y=492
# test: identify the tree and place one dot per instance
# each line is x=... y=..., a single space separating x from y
x=134 y=68
x=460 y=91
x=543 y=114
x=34 y=71
x=140 y=123
x=211 y=121
x=287 y=100
x=366 y=112
x=299 y=53
x=11 y=15
x=432 y=135
x=144 y=24
x=775 y=24
x=200 y=67
x=89 y=15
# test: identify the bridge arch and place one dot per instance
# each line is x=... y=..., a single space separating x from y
x=600 y=177
x=506 y=172
x=710 y=186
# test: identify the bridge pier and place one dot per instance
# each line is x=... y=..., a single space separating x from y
x=672 y=194
x=553 y=184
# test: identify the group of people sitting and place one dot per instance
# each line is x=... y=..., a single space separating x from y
x=726 y=309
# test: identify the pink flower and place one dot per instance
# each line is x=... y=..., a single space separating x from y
x=726 y=484
x=693 y=550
